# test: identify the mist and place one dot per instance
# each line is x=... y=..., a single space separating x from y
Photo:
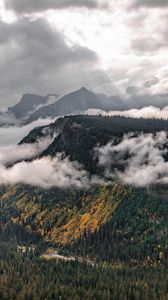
x=7 y=119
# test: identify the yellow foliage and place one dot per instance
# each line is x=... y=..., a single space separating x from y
x=63 y=225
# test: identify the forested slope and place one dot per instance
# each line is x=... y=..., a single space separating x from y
x=120 y=228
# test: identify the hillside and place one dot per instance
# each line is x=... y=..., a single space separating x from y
x=77 y=136
x=113 y=231
x=128 y=224
x=63 y=215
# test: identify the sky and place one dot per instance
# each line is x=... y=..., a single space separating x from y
x=116 y=47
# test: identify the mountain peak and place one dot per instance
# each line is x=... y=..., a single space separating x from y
x=27 y=104
x=83 y=89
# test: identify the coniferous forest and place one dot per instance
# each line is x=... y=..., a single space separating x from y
x=83 y=150
x=111 y=240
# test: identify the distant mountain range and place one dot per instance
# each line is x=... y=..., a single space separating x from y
x=77 y=102
x=32 y=107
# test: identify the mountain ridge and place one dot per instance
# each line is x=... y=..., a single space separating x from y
x=117 y=228
x=28 y=103
x=75 y=102
x=32 y=107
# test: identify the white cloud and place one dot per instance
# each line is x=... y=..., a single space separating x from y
x=13 y=153
x=138 y=161
x=46 y=173
x=19 y=164
x=11 y=135
x=130 y=47
x=145 y=112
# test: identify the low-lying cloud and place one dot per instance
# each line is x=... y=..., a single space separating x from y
x=13 y=153
x=45 y=173
x=11 y=135
x=138 y=161
x=148 y=112
x=135 y=160
x=20 y=164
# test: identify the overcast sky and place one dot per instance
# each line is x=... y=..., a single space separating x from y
x=56 y=46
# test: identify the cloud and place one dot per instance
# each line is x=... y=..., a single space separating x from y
x=19 y=164
x=148 y=44
x=8 y=118
x=148 y=39
x=149 y=3
x=13 y=153
x=30 y=6
x=151 y=82
x=136 y=160
x=145 y=112
x=45 y=173
x=35 y=58
x=11 y=135
x=132 y=48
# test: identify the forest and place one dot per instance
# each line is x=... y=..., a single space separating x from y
x=121 y=229
x=128 y=245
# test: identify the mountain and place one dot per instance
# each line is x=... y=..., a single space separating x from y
x=28 y=104
x=32 y=107
x=110 y=239
x=78 y=135
x=77 y=102
x=81 y=100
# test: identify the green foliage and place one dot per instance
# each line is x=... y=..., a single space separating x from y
x=78 y=135
x=123 y=230
x=28 y=277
